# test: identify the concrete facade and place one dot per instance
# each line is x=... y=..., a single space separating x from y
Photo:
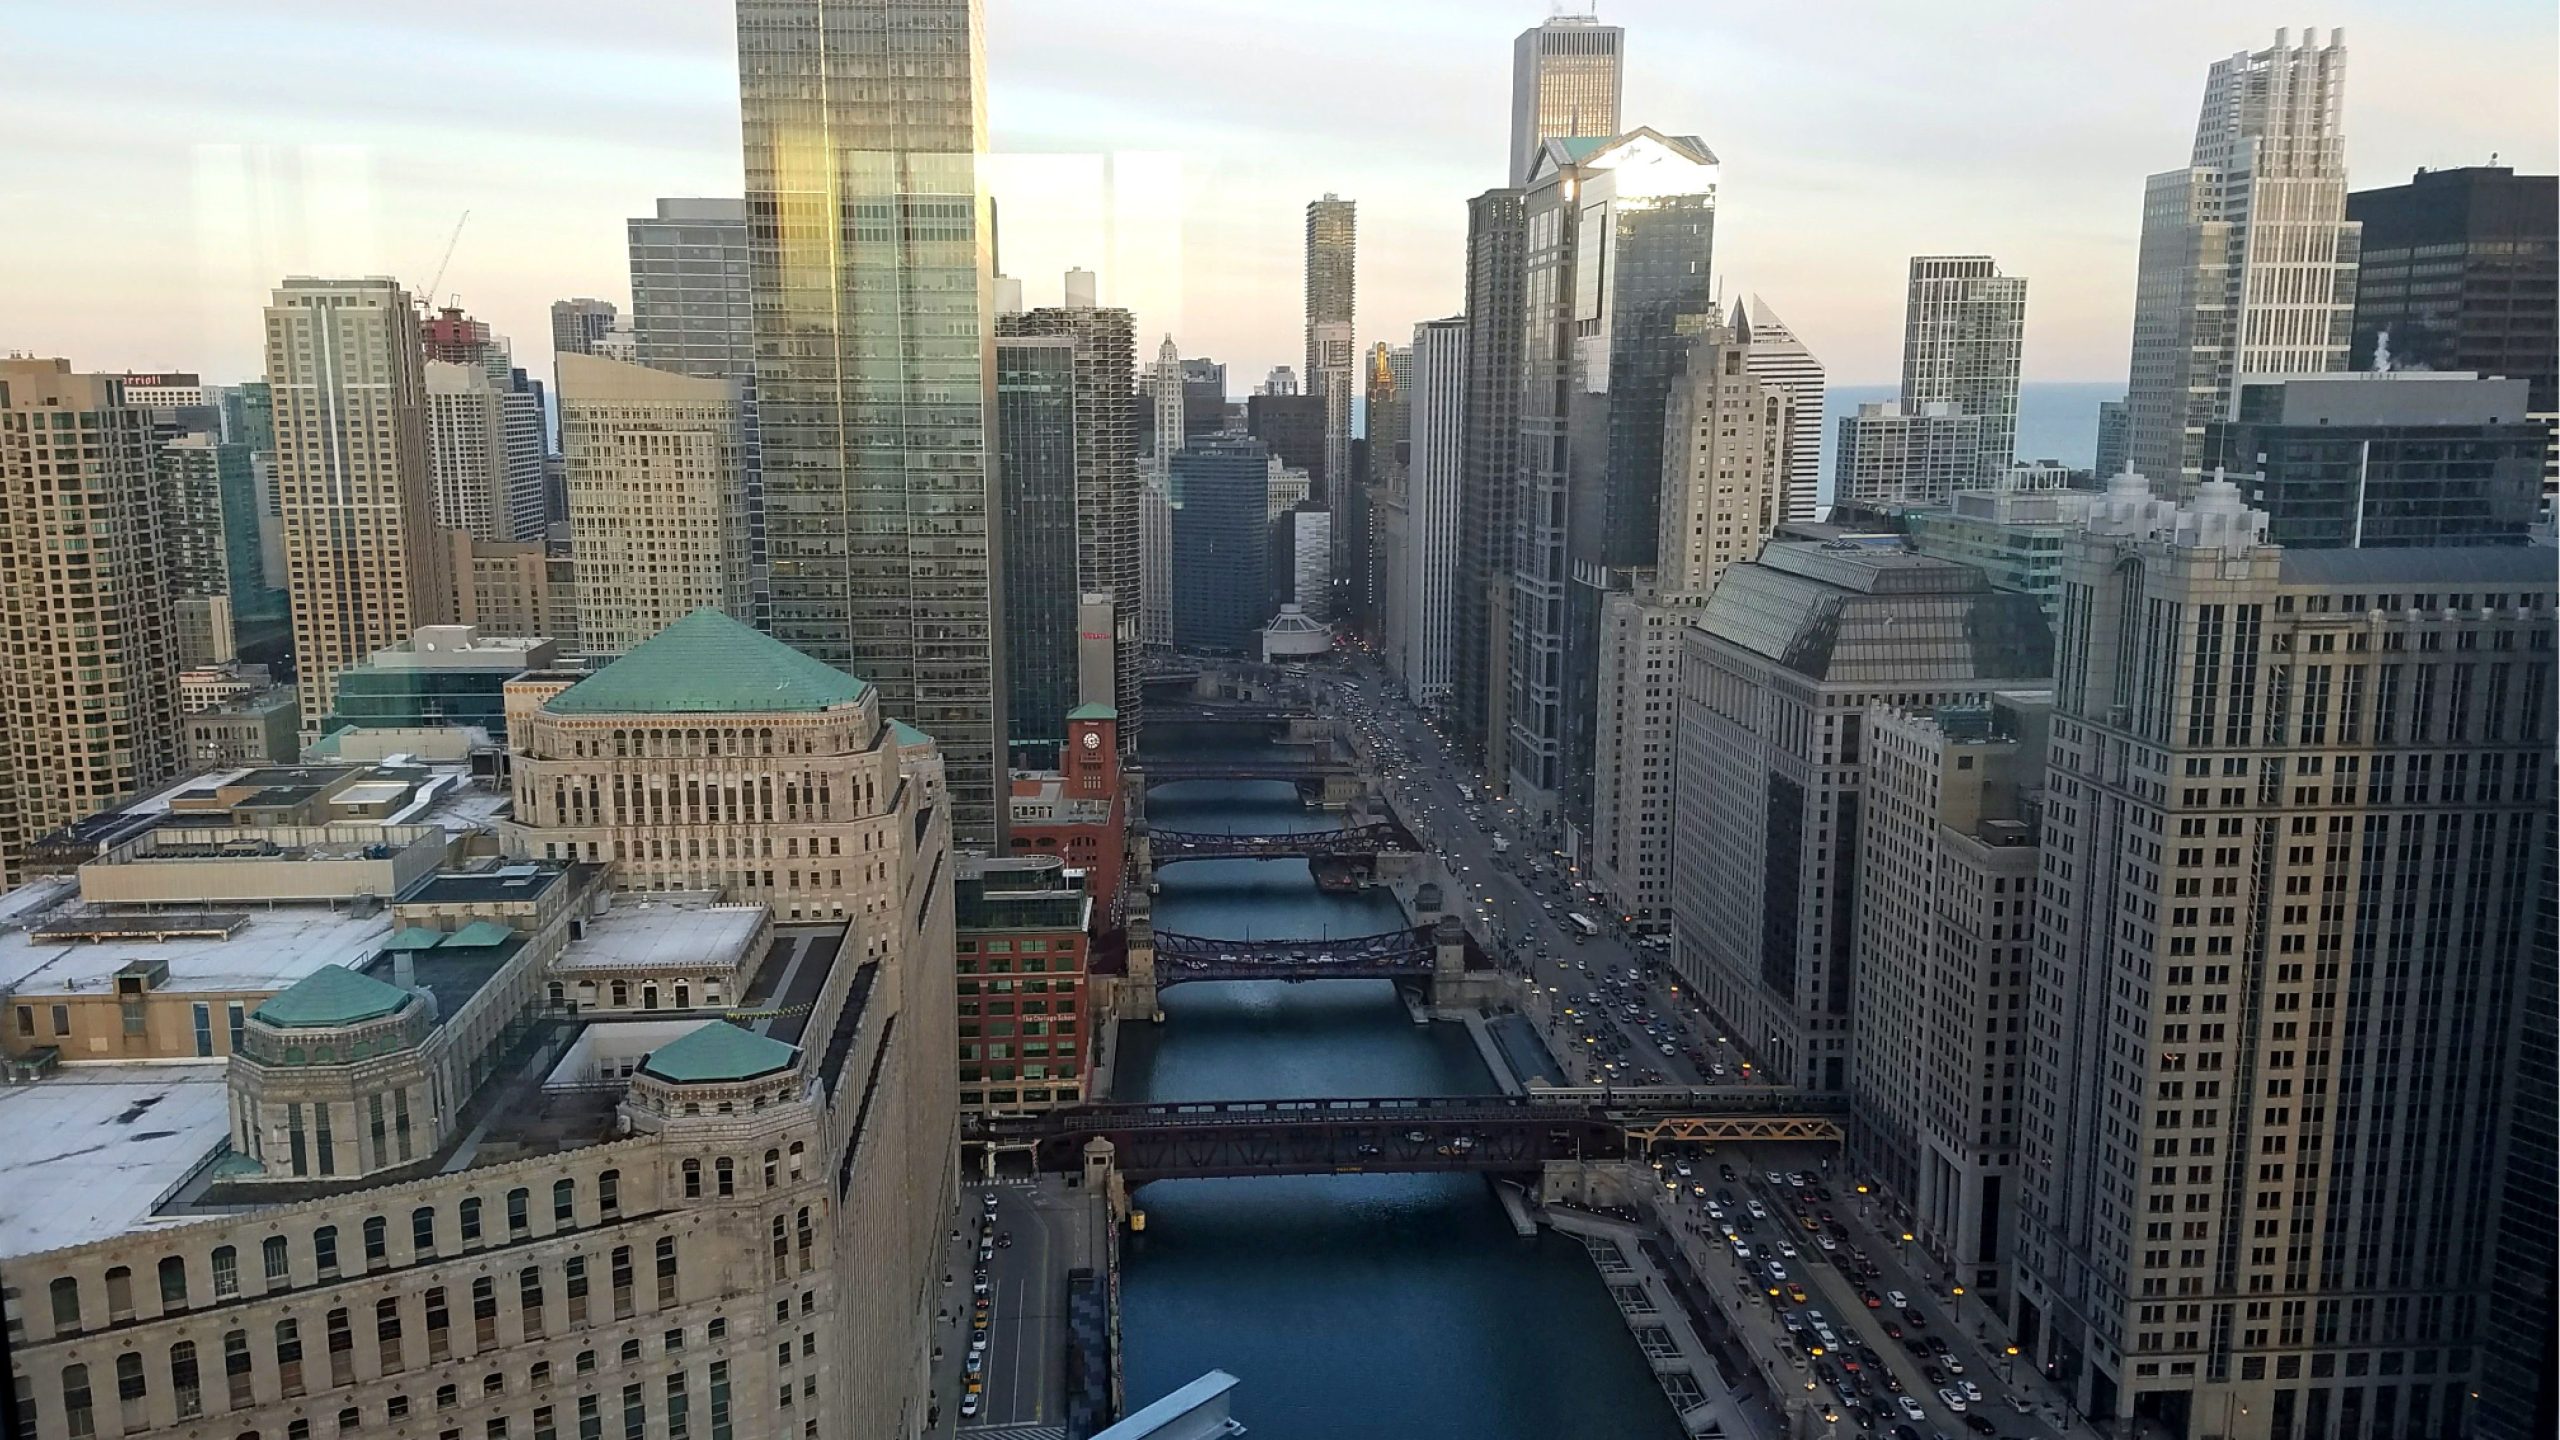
x=657 y=499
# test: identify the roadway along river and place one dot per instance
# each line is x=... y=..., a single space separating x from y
x=1350 y=1306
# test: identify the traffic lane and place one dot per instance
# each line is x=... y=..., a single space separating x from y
x=1024 y=1383
x=1849 y=1294
x=1987 y=1364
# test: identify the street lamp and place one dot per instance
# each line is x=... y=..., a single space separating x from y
x=2009 y=1367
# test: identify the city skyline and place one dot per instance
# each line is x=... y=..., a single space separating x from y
x=1825 y=204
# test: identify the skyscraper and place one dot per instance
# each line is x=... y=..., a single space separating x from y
x=1435 y=473
x=1893 y=454
x=1963 y=333
x=1387 y=376
x=1566 y=74
x=2115 y=432
x=868 y=252
x=90 y=714
x=692 y=304
x=1331 y=244
x=1067 y=469
x=1489 y=485
x=1222 y=544
x=1777 y=356
x=2275 y=1011
x=2362 y=460
x=577 y=325
x=1597 y=367
x=346 y=371
x=1164 y=392
x=481 y=484
x=657 y=514
x=2248 y=262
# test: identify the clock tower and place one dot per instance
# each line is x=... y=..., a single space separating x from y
x=1091 y=764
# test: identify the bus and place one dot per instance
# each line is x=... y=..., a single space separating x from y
x=1584 y=925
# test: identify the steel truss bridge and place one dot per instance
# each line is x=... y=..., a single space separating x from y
x=1235 y=712
x=1278 y=767
x=1389 y=955
x=1405 y=1134
x=1166 y=846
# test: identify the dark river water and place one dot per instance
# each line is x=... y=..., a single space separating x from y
x=1349 y=1306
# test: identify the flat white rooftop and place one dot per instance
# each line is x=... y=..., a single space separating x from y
x=686 y=931
x=92 y=1148
x=279 y=945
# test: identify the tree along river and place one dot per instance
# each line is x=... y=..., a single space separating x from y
x=1349 y=1305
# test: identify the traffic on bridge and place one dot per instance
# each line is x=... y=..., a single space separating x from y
x=1390 y=955
x=1166 y=846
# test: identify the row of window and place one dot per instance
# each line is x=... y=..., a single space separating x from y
x=222 y=1273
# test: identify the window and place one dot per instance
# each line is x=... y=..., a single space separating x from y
x=574 y=1273
x=386 y=1334
x=324 y=1249
x=184 y=1385
x=342 y=1349
x=693 y=1179
x=422 y=1231
x=471 y=1221
x=609 y=1192
x=666 y=1270
x=439 y=1326
x=76 y=1413
x=279 y=1265
x=238 y=1373
x=529 y=1298
x=173 y=1283
x=621 y=1282
x=564 y=1204
x=377 y=1242
x=396 y=1408
x=132 y=1393
x=66 y=1304
x=484 y=1311
x=772 y=1168
x=289 y=1358
x=350 y=1420
x=727 y=1171
x=119 y=1293
x=519 y=1213
x=226 y=1272
x=635 y=1412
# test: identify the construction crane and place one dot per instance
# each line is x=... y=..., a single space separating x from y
x=429 y=298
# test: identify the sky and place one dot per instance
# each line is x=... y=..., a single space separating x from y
x=173 y=160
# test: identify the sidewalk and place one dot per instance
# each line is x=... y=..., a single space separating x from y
x=1649 y=1300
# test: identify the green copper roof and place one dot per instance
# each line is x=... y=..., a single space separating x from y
x=1093 y=712
x=709 y=664
x=479 y=935
x=330 y=996
x=908 y=734
x=414 y=937
x=719 y=1051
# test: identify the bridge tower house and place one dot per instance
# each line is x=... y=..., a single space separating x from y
x=1135 y=999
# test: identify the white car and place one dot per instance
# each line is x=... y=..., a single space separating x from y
x=1741 y=1251
x=1971 y=1391
x=1911 y=1408
x=1952 y=1399
x=1897 y=1299
x=1787 y=1250
x=1953 y=1366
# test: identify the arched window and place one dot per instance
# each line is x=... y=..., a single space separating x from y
x=808 y=1240
x=564 y=1203
x=377 y=1241
x=471 y=1221
x=66 y=1303
x=772 y=1168
x=422 y=1231
x=692 y=1191
x=684 y=995
x=559 y=995
x=324 y=1249
x=519 y=1213
x=649 y=996
x=609 y=1192
x=799 y=1152
x=133 y=1391
x=119 y=1293
x=186 y=1385
x=173 y=1283
x=727 y=1173
x=279 y=1265
x=77 y=1416
x=350 y=1420
x=236 y=1369
x=289 y=1358
x=226 y=1272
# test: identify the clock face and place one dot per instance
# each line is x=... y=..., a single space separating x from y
x=1093 y=739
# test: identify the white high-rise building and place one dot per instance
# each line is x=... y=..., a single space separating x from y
x=1434 y=473
x=477 y=435
x=365 y=568
x=1332 y=370
x=1155 y=564
x=657 y=498
x=1164 y=387
x=1893 y=455
x=1281 y=381
x=1778 y=357
x=2248 y=262
x=2295 y=852
x=1963 y=333
x=1566 y=75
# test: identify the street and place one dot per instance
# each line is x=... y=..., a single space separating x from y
x=1020 y=1371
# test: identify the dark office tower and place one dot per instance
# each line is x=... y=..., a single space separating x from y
x=2517 y=1394
x=1489 y=440
x=1566 y=75
x=1599 y=355
x=1222 y=544
x=1067 y=470
x=1332 y=371
x=692 y=308
x=1387 y=372
x=2114 y=431
x=578 y=326
x=867 y=241
x=1204 y=397
x=1293 y=426
x=2364 y=461
x=2462 y=269
x=2272 y=1049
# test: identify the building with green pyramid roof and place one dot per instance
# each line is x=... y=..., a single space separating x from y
x=719 y=1052
x=709 y=664
x=331 y=997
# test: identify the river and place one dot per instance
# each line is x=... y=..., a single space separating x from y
x=1349 y=1306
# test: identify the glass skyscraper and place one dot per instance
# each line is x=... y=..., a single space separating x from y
x=868 y=251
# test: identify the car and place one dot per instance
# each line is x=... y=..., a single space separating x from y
x=1934 y=1375
x=1971 y=1391
x=1795 y=1293
x=1948 y=1359
x=1953 y=1400
x=1758 y=1210
x=1741 y=1251
x=1776 y=1180
x=1892 y=1331
x=1915 y=1319
x=1725 y=1173
x=1874 y=1301
x=1905 y=1432
x=990 y=1198
x=1778 y=1273
x=1892 y=1381
x=1786 y=1249
x=1829 y=1245
x=1911 y=1408
x=1900 y=1300
x=1979 y=1426
x=968 y=1406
